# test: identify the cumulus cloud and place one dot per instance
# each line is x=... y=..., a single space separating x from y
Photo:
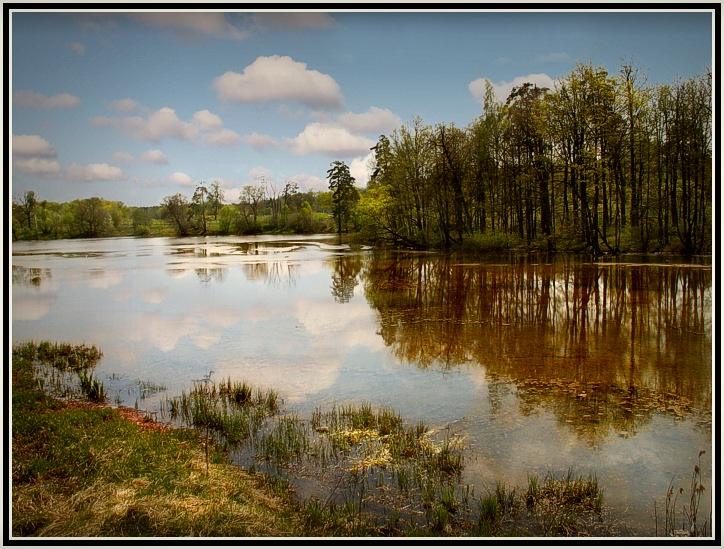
x=155 y=156
x=375 y=120
x=32 y=145
x=207 y=120
x=222 y=137
x=309 y=20
x=308 y=182
x=77 y=47
x=35 y=100
x=503 y=88
x=212 y=24
x=329 y=139
x=124 y=105
x=279 y=78
x=359 y=168
x=259 y=141
x=122 y=156
x=94 y=172
x=181 y=178
x=44 y=167
x=260 y=172
x=33 y=155
x=163 y=123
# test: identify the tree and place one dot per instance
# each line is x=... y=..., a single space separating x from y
x=251 y=196
x=344 y=193
x=91 y=217
x=199 y=206
x=27 y=205
x=177 y=209
x=216 y=198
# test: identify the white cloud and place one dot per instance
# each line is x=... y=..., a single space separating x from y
x=124 y=105
x=308 y=182
x=181 y=178
x=279 y=78
x=34 y=155
x=222 y=137
x=32 y=146
x=503 y=88
x=35 y=100
x=212 y=24
x=77 y=47
x=93 y=172
x=260 y=172
x=310 y=20
x=259 y=141
x=154 y=156
x=44 y=167
x=122 y=156
x=205 y=119
x=359 y=168
x=163 y=123
x=329 y=139
x=375 y=120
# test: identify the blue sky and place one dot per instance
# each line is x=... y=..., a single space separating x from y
x=135 y=107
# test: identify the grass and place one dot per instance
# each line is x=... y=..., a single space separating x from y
x=687 y=524
x=86 y=471
x=230 y=411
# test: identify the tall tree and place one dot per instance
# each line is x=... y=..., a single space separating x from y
x=344 y=193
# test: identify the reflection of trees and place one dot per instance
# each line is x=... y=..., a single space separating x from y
x=30 y=276
x=344 y=277
x=605 y=341
x=207 y=274
x=274 y=273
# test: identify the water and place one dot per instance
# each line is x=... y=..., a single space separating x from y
x=542 y=364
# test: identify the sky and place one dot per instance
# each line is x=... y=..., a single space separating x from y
x=138 y=106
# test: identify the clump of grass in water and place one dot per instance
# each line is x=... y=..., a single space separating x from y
x=91 y=387
x=232 y=411
x=64 y=367
x=690 y=526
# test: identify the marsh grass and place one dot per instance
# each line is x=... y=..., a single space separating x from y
x=63 y=369
x=686 y=523
x=79 y=471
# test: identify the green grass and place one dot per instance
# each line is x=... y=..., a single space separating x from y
x=80 y=471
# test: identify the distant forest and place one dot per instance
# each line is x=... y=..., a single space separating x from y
x=603 y=163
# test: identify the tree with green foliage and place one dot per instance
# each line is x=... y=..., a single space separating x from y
x=177 y=209
x=344 y=193
x=199 y=201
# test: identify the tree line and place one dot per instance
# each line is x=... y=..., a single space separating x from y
x=261 y=207
x=603 y=163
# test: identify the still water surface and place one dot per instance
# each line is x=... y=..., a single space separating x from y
x=542 y=364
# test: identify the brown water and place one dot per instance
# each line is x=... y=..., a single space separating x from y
x=542 y=364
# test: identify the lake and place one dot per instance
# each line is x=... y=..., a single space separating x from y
x=542 y=364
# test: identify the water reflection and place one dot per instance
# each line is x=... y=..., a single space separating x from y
x=345 y=269
x=602 y=346
x=30 y=276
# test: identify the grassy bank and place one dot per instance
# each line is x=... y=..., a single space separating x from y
x=81 y=468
